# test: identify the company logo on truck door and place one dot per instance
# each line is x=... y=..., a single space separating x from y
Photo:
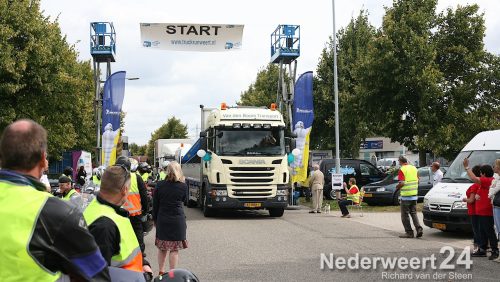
x=253 y=162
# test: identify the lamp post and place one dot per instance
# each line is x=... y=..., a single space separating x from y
x=336 y=90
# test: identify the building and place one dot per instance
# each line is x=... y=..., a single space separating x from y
x=376 y=148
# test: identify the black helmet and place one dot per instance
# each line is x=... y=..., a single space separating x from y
x=143 y=167
x=178 y=275
x=122 y=160
x=68 y=171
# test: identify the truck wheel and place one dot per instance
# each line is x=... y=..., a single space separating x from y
x=207 y=212
x=276 y=212
x=395 y=198
x=191 y=204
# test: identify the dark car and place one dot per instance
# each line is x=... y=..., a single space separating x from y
x=384 y=192
x=363 y=171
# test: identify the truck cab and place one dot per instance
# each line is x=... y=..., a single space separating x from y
x=244 y=164
x=443 y=205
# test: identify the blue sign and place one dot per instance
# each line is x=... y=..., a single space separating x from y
x=376 y=144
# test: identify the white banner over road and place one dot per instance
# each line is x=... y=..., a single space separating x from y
x=192 y=37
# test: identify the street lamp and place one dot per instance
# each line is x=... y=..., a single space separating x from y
x=336 y=90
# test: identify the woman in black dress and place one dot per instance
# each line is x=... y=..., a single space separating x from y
x=168 y=216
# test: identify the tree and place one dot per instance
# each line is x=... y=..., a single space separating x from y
x=263 y=91
x=400 y=81
x=42 y=79
x=172 y=129
x=138 y=150
x=352 y=49
x=428 y=83
x=471 y=80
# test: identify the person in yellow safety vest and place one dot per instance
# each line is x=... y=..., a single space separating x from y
x=352 y=198
x=143 y=170
x=162 y=175
x=137 y=201
x=408 y=187
x=44 y=239
x=69 y=194
x=109 y=224
x=96 y=177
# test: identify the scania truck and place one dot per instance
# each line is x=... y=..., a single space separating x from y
x=240 y=161
x=443 y=205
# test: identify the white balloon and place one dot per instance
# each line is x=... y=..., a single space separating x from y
x=295 y=152
x=201 y=153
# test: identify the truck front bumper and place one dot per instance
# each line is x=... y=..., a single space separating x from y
x=453 y=221
x=246 y=203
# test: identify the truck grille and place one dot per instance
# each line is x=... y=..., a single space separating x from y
x=245 y=192
x=440 y=207
x=251 y=182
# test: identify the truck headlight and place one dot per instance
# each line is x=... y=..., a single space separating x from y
x=281 y=192
x=426 y=202
x=381 y=189
x=459 y=205
x=220 y=192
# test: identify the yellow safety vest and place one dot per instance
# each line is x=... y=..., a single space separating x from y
x=133 y=203
x=162 y=175
x=130 y=255
x=68 y=196
x=410 y=187
x=16 y=264
x=96 y=180
x=145 y=177
x=353 y=197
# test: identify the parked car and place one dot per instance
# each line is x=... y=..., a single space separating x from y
x=384 y=192
x=363 y=171
x=387 y=163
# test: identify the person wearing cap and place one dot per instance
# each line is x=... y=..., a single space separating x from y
x=46 y=239
x=69 y=193
x=109 y=224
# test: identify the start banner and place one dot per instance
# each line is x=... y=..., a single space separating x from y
x=192 y=37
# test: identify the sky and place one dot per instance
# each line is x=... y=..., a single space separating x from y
x=174 y=83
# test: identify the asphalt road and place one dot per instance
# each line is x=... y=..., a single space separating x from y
x=251 y=246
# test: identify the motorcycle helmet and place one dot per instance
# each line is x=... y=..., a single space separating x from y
x=122 y=160
x=143 y=167
x=100 y=172
x=177 y=275
x=68 y=171
x=134 y=164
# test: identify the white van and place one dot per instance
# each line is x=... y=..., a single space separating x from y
x=443 y=206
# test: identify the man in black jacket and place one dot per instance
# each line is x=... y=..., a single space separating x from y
x=43 y=236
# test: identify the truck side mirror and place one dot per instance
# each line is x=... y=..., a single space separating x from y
x=293 y=144
x=203 y=134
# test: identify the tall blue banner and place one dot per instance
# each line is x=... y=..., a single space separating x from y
x=302 y=116
x=112 y=100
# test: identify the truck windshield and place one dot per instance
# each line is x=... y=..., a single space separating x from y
x=247 y=142
x=457 y=173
